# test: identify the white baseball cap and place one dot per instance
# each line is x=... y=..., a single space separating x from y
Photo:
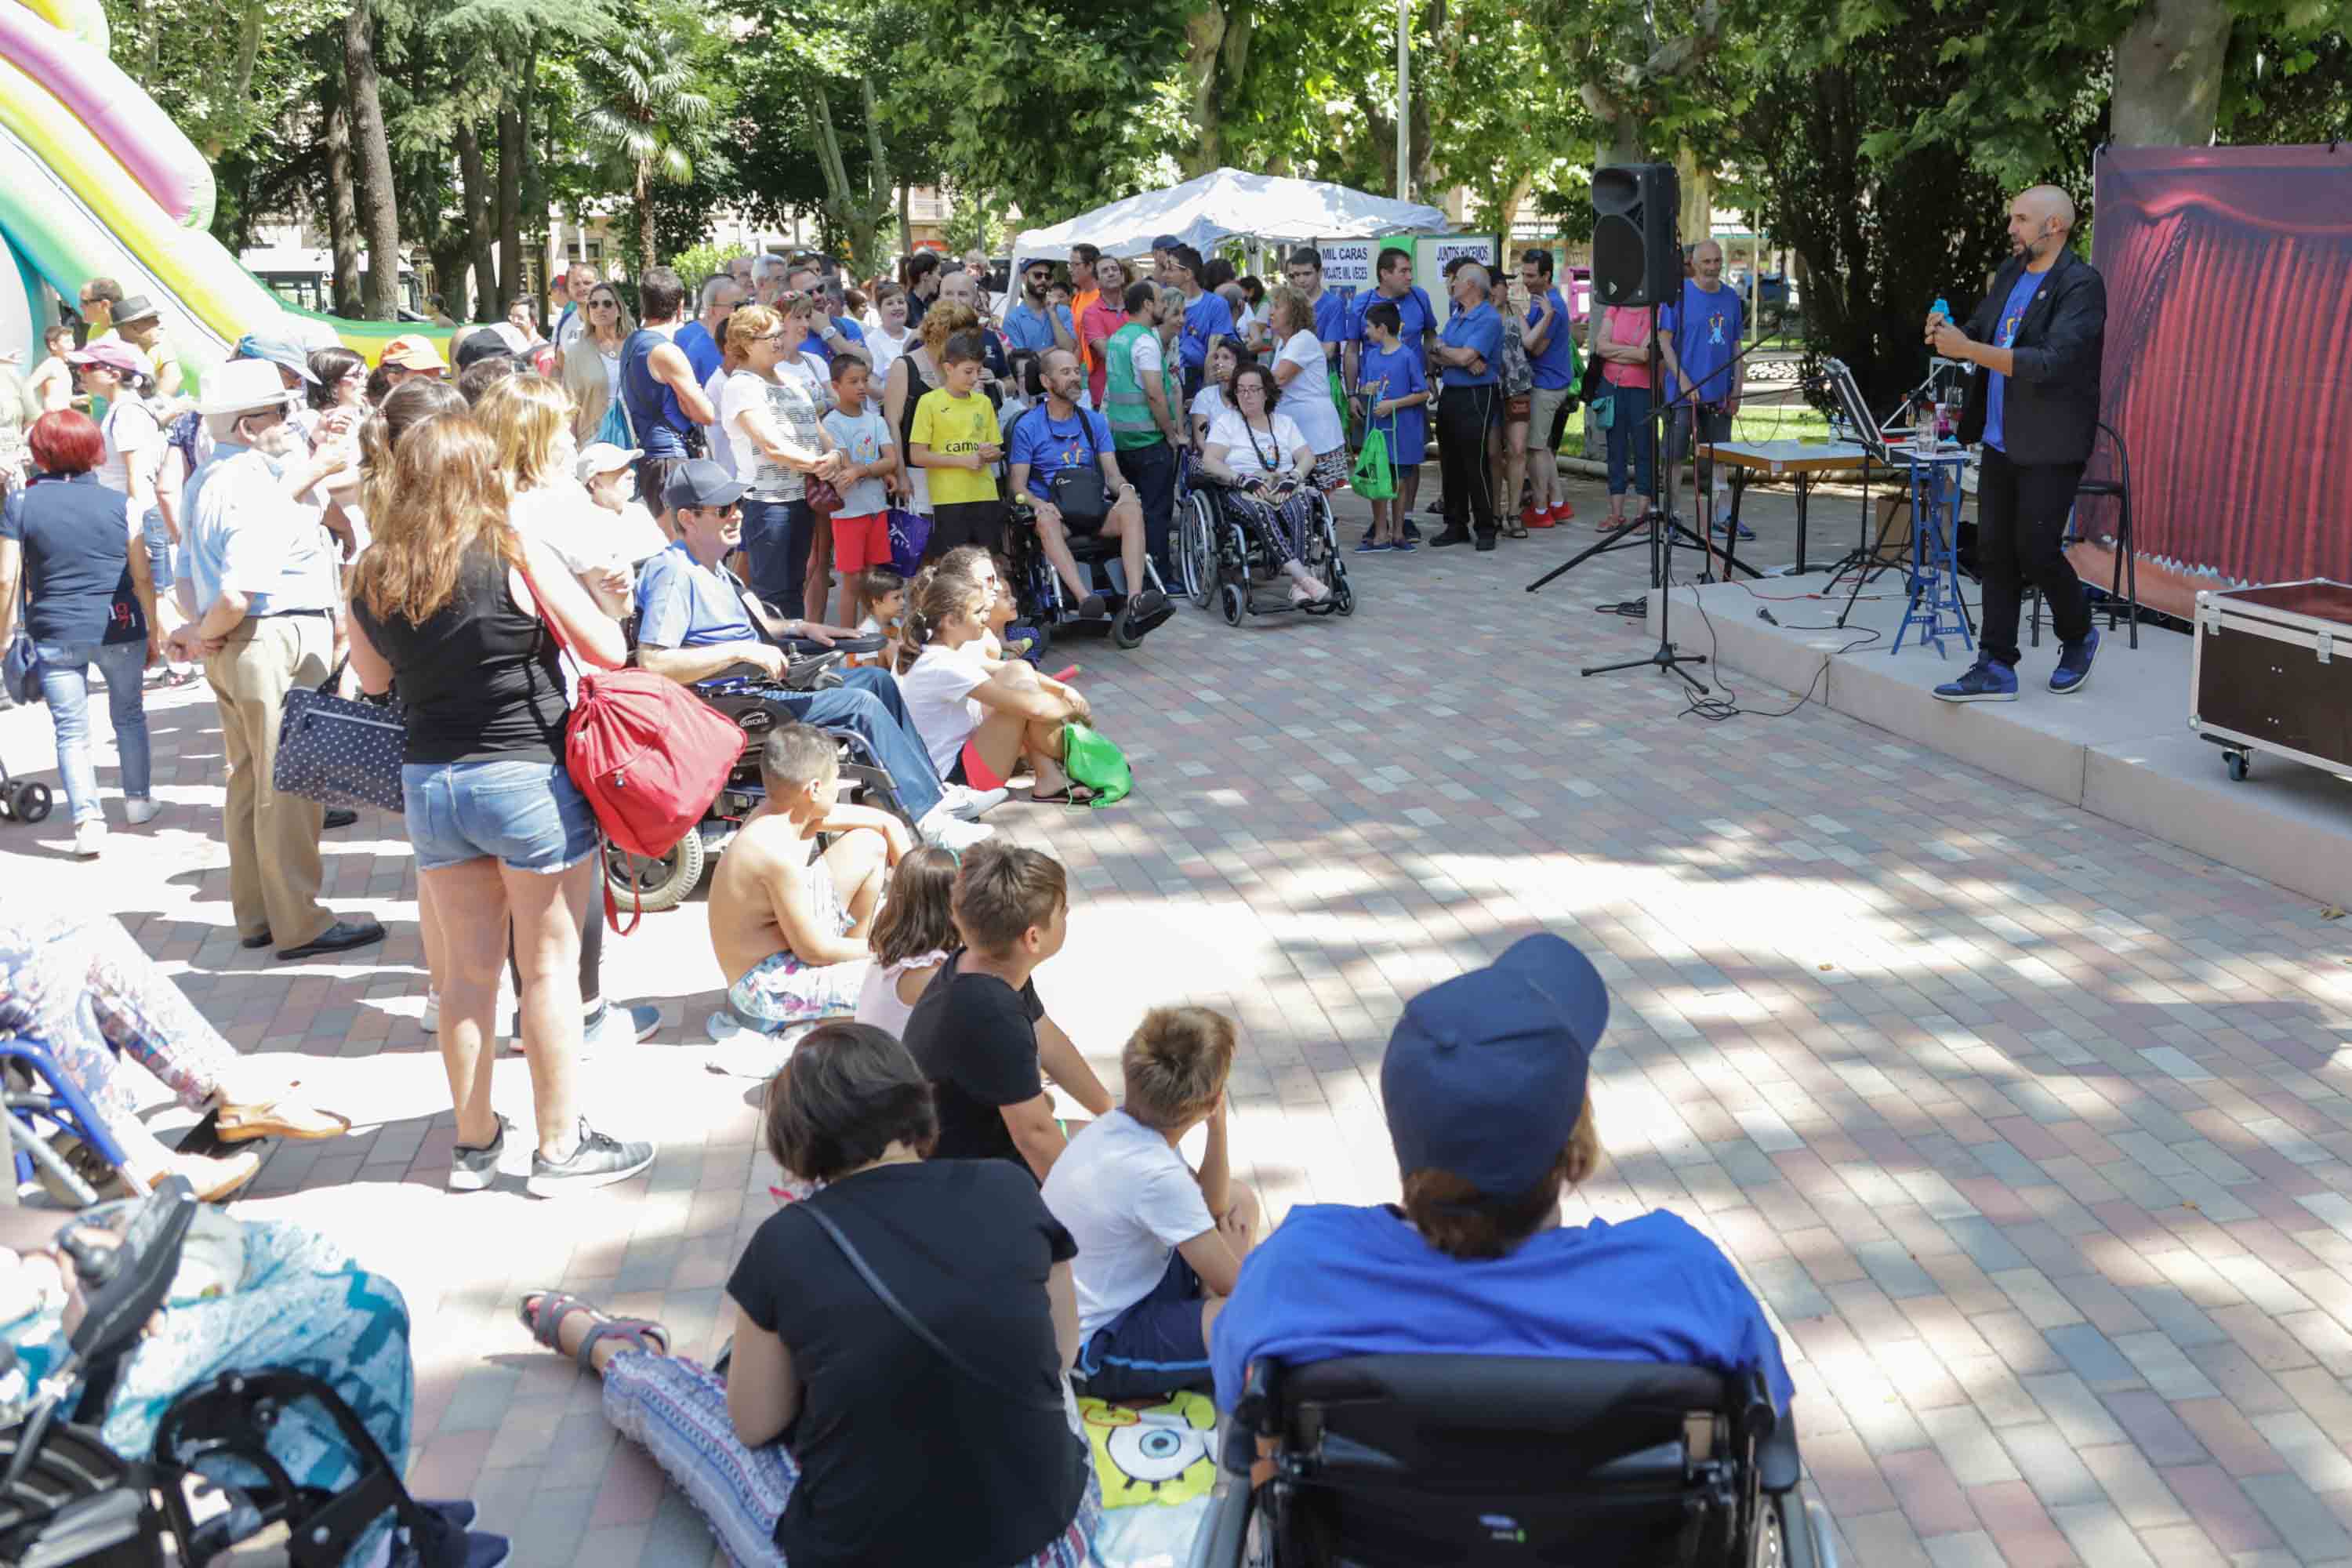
x=600 y=457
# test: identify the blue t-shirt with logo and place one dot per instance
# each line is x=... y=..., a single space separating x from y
x=1049 y=445
x=1480 y=329
x=1335 y=1280
x=1028 y=329
x=1414 y=317
x=2021 y=295
x=1706 y=328
x=1556 y=366
x=1204 y=316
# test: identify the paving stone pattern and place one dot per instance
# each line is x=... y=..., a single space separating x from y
x=2031 y=1132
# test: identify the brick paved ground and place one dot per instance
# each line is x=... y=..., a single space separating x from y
x=2031 y=1131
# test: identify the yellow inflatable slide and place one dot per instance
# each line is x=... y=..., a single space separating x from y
x=94 y=181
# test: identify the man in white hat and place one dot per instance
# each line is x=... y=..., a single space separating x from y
x=262 y=587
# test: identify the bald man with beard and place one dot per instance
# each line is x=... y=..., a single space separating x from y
x=2033 y=400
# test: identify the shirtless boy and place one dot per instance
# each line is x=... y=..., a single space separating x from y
x=790 y=925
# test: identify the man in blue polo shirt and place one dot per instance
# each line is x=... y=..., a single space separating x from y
x=1061 y=432
x=695 y=623
x=1303 y=267
x=1207 y=317
x=1551 y=354
x=1483 y=1084
x=1469 y=354
x=1698 y=344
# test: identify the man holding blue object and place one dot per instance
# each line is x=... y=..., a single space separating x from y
x=1484 y=1085
x=2033 y=400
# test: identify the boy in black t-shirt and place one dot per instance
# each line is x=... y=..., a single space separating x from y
x=978 y=1031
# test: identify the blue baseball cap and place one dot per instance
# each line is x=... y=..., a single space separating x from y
x=1484 y=1075
x=281 y=352
x=1165 y=242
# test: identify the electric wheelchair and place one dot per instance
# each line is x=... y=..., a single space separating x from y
x=1386 y=1461
x=1039 y=595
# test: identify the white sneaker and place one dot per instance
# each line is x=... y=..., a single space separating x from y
x=139 y=810
x=90 y=838
x=623 y=1024
x=962 y=800
x=948 y=831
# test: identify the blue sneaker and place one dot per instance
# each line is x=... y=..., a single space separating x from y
x=1403 y=547
x=1988 y=680
x=2074 y=663
x=1368 y=545
x=1745 y=531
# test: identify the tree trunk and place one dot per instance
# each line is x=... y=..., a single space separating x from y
x=2167 y=76
x=644 y=192
x=878 y=183
x=449 y=255
x=342 y=219
x=474 y=193
x=1506 y=211
x=511 y=157
x=525 y=280
x=906 y=223
x=1204 y=39
x=379 y=210
x=1698 y=183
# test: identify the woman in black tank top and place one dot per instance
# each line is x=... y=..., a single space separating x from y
x=447 y=602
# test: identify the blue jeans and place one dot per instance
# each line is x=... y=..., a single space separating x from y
x=65 y=687
x=158 y=539
x=777 y=538
x=1629 y=440
x=868 y=705
x=529 y=815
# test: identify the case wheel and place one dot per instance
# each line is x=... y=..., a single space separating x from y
x=29 y=800
x=1232 y=603
x=2239 y=764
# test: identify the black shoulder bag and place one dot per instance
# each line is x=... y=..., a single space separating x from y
x=1027 y=1398
x=1080 y=493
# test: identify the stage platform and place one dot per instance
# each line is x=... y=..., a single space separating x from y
x=2121 y=746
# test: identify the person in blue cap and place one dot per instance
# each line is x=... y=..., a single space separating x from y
x=1484 y=1086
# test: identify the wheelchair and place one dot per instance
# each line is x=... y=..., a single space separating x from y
x=741 y=694
x=67 y=1500
x=1387 y=1461
x=1222 y=561
x=1039 y=597
x=33 y=1089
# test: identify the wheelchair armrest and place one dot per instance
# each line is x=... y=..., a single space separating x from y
x=1776 y=1463
x=808 y=648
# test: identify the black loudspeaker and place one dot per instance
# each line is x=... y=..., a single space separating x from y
x=1635 y=259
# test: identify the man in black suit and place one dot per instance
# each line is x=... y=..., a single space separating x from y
x=2033 y=401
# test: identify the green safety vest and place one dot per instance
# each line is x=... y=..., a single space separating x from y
x=1125 y=407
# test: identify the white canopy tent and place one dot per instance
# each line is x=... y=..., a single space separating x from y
x=1226 y=202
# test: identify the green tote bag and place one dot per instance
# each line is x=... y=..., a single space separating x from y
x=1092 y=759
x=1375 y=475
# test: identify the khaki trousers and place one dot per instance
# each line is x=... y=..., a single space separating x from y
x=274 y=870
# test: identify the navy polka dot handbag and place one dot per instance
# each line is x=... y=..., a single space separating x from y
x=338 y=752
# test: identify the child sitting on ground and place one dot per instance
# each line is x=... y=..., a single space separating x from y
x=1160 y=1245
x=912 y=936
x=884 y=593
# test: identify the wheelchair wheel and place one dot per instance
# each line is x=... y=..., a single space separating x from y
x=1200 y=560
x=30 y=800
x=1343 y=592
x=657 y=884
x=1232 y=604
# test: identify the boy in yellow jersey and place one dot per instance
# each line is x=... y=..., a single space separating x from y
x=955 y=437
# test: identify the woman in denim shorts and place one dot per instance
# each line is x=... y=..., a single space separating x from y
x=442 y=604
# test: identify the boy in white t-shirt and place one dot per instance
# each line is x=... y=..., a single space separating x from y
x=861 y=529
x=610 y=474
x=1160 y=1246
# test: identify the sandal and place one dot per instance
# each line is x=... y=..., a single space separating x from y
x=285 y=1117
x=545 y=1321
x=1514 y=531
x=1069 y=794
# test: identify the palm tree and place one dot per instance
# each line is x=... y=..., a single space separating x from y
x=646 y=103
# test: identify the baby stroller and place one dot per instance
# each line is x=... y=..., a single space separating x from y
x=22 y=800
x=1225 y=560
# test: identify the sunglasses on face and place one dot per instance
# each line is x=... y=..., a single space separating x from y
x=604 y=304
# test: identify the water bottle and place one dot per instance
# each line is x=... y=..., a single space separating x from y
x=1939 y=310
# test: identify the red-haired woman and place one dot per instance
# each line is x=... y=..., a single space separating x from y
x=89 y=598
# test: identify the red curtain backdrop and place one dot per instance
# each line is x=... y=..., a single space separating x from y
x=2229 y=361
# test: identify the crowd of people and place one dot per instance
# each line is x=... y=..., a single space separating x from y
x=644 y=489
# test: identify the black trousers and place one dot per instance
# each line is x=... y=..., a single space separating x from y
x=2021 y=516
x=1462 y=415
x=592 y=946
x=1152 y=471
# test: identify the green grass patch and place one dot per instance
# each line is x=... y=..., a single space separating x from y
x=1779 y=422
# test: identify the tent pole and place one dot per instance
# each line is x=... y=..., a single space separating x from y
x=1404 y=102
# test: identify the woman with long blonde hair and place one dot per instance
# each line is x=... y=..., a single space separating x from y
x=457 y=606
x=591 y=362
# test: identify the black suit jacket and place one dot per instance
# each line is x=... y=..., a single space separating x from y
x=2050 y=412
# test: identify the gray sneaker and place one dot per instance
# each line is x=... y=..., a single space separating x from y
x=598 y=1162
x=471 y=1170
